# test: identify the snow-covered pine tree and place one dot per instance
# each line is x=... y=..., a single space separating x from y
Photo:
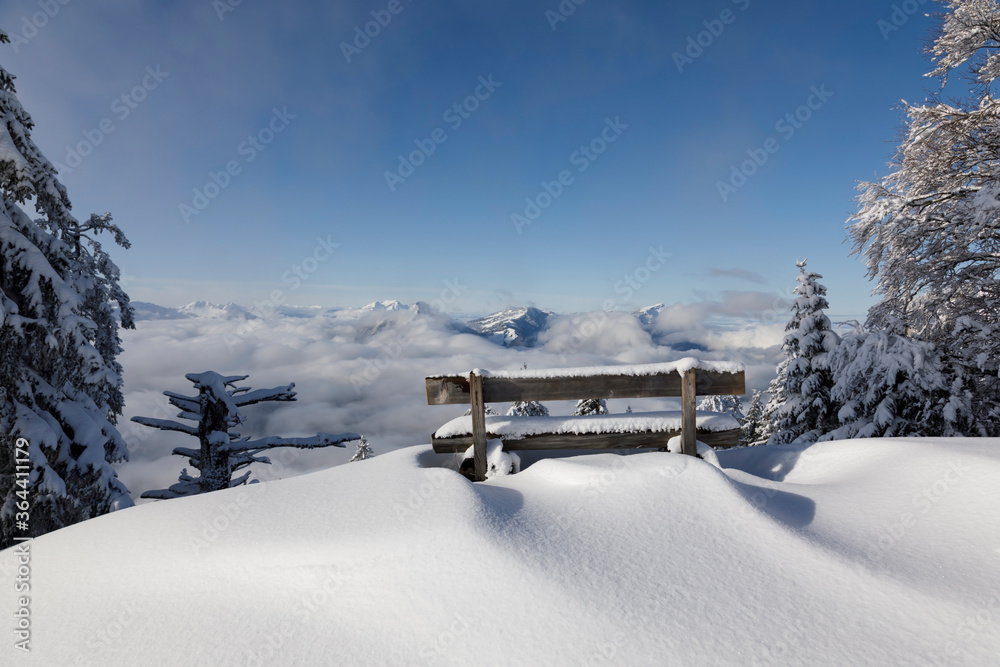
x=889 y=385
x=363 y=451
x=753 y=428
x=527 y=409
x=808 y=410
x=488 y=410
x=731 y=405
x=221 y=454
x=929 y=231
x=776 y=398
x=60 y=383
x=591 y=406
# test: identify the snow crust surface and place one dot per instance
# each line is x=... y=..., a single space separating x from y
x=863 y=552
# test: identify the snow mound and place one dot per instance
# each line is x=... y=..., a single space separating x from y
x=861 y=552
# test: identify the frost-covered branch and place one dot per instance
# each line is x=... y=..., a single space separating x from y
x=222 y=453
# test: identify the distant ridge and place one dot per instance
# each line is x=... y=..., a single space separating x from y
x=515 y=327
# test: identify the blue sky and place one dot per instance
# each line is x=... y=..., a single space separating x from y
x=203 y=81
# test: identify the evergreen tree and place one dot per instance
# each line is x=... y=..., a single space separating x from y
x=60 y=382
x=808 y=410
x=929 y=231
x=753 y=429
x=731 y=405
x=892 y=386
x=591 y=406
x=527 y=409
x=222 y=454
x=776 y=398
x=487 y=410
x=363 y=451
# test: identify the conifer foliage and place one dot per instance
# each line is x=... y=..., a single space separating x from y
x=363 y=451
x=807 y=411
x=753 y=428
x=60 y=383
x=591 y=406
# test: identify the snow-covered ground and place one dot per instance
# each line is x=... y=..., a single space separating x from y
x=864 y=552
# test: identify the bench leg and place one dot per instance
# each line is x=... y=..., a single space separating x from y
x=478 y=426
x=689 y=422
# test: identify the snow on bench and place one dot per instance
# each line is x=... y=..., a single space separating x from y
x=686 y=378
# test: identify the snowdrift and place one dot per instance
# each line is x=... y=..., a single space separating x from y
x=865 y=552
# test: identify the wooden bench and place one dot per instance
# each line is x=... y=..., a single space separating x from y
x=687 y=379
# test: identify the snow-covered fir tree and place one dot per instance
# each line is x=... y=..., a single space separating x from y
x=363 y=451
x=929 y=231
x=731 y=405
x=221 y=454
x=807 y=411
x=889 y=385
x=527 y=409
x=776 y=398
x=488 y=410
x=591 y=406
x=60 y=382
x=753 y=429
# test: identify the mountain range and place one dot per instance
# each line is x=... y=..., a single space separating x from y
x=512 y=327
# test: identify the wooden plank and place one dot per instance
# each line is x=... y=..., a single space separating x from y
x=689 y=427
x=478 y=426
x=455 y=390
x=451 y=390
x=645 y=440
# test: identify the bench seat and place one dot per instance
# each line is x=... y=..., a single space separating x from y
x=610 y=431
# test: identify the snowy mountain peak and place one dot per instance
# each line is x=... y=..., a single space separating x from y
x=385 y=305
x=647 y=316
x=514 y=327
x=207 y=310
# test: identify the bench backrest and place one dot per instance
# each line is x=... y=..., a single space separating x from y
x=455 y=389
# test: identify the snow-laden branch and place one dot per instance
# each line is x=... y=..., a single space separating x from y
x=286 y=393
x=318 y=440
x=166 y=425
